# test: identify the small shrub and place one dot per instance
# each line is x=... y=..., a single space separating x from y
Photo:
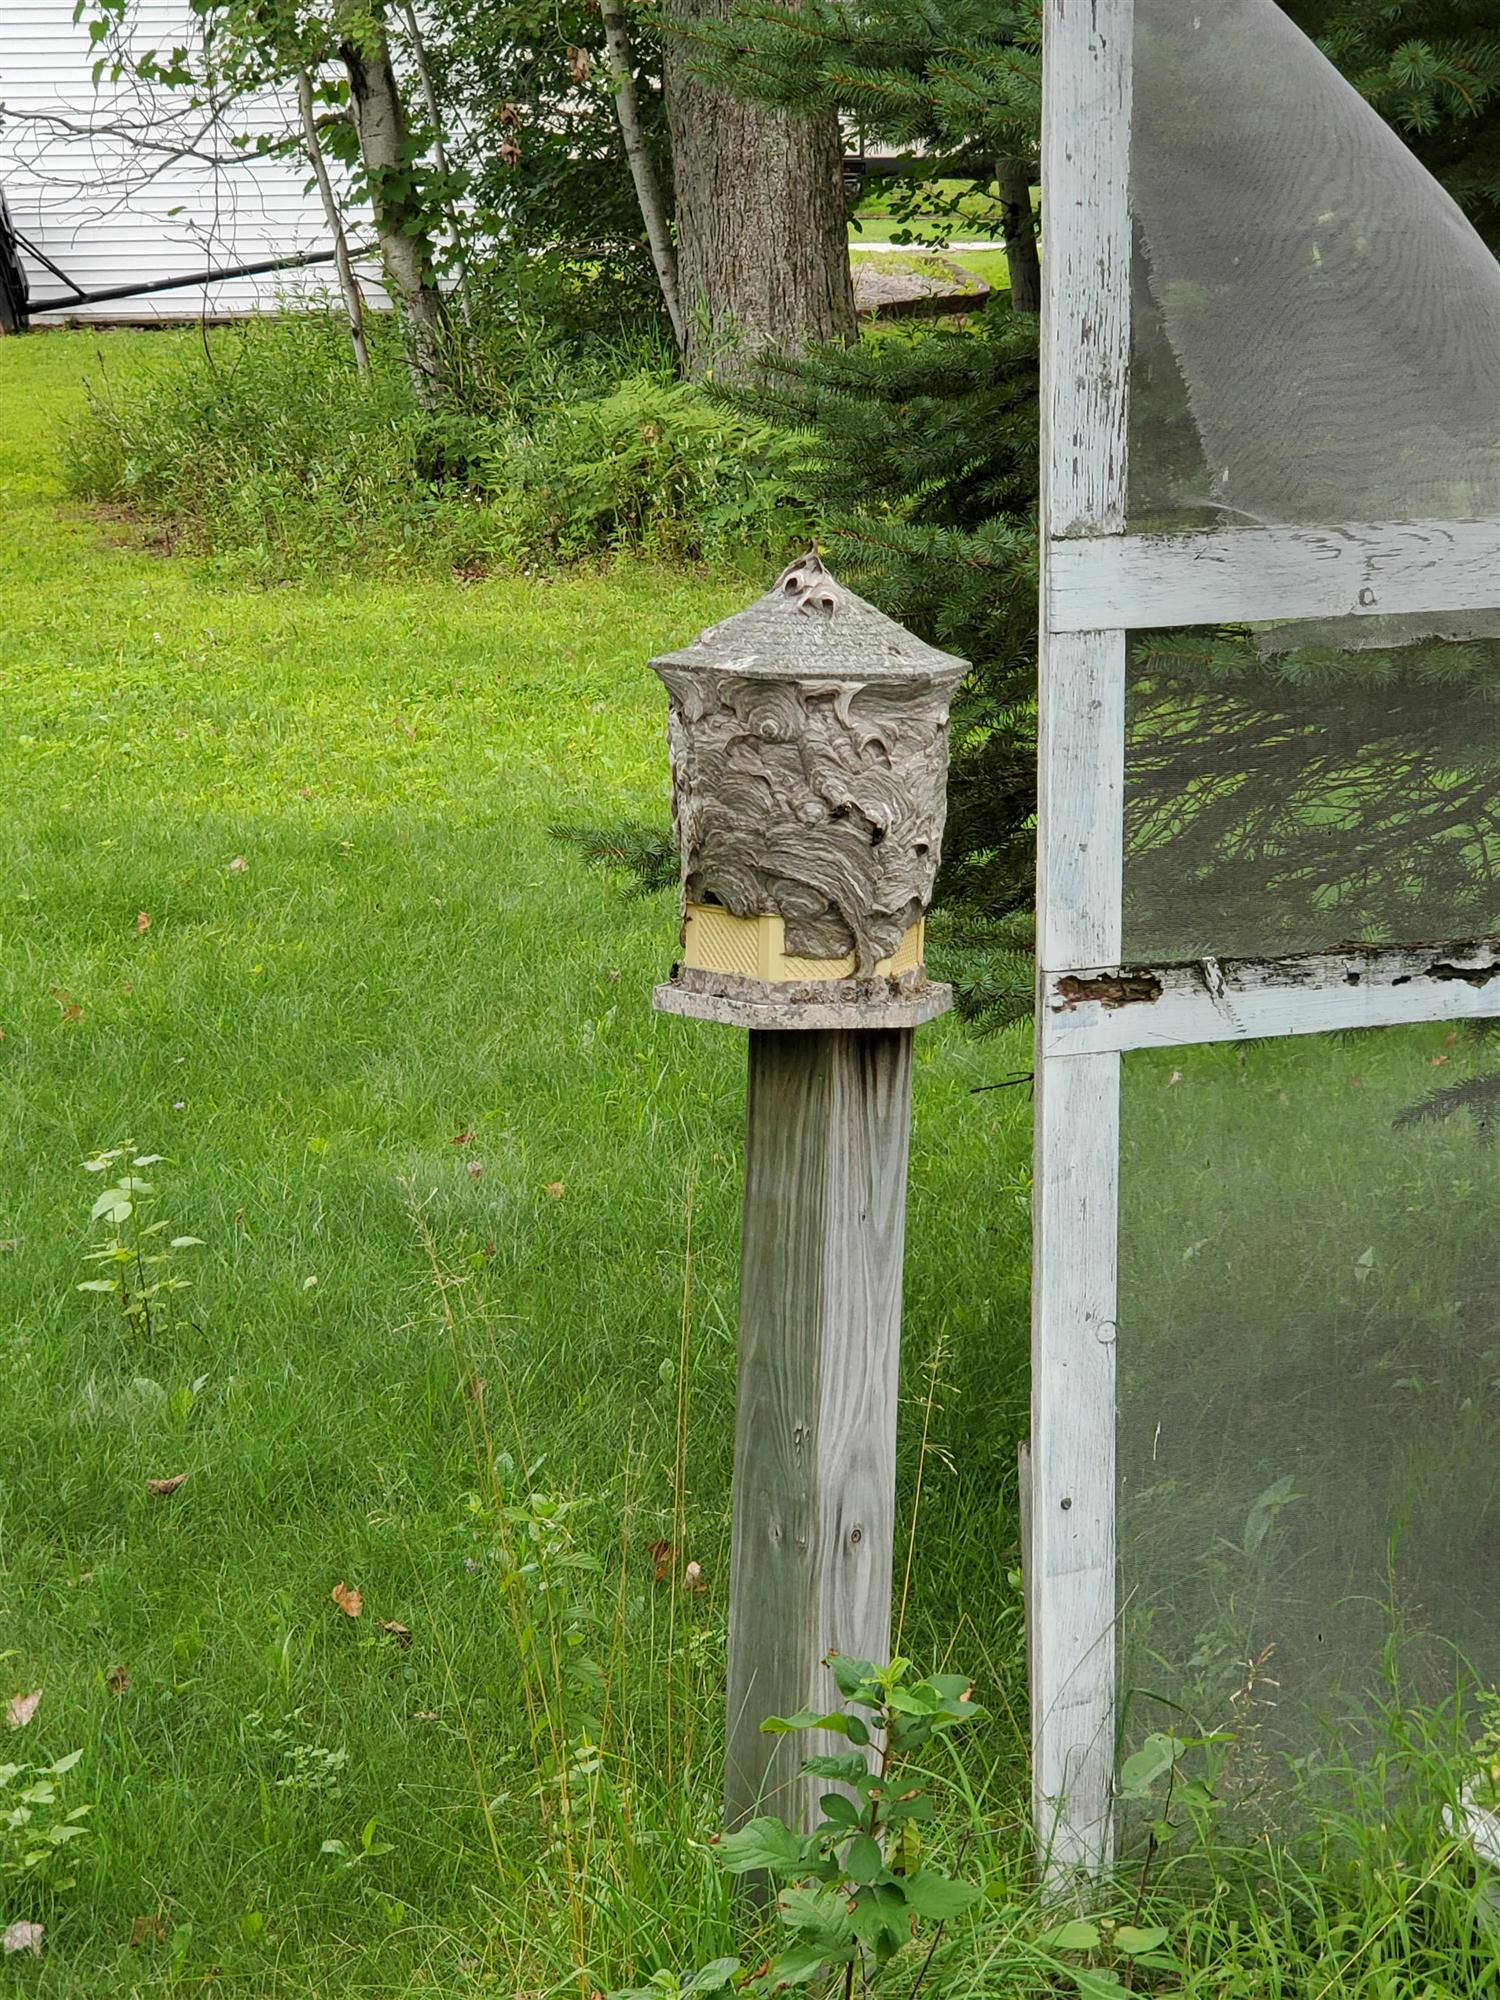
x=654 y=466
x=861 y=1885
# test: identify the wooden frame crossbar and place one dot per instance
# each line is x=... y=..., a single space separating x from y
x=1090 y=1013
x=1097 y=584
x=1250 y=575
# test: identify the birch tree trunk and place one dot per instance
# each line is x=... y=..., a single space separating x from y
x=405 y=238
x=353 y=303
x=1013 y=178
x=762 y=243
x=642 y=167
x=418 y=49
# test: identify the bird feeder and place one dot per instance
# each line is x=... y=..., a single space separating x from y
x=809 y=743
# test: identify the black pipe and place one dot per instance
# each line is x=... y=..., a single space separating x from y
x=193 y=278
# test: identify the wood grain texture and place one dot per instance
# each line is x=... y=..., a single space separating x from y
x=828 y=1122
x=1071 y=1565
x=1240 y=999
x=1085 y=263
x=1085 y=364
x=1080 y=799
x=1272 y=574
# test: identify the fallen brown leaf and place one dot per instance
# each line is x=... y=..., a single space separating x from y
x=693 y=1578
x=1434 y=1061
x=424 y=1715
x=237 y=866
x=160 y=1488
x=347 y=1599
x=142 y=921
x=20 y=1709
x=661 y=1554
x=473 y=1168
x=117 y=1680
x=22 y=1936
x=147 y=1930
x=462 y=1139
x=67 y=1006
x=399 y=1632
x=557 y=1189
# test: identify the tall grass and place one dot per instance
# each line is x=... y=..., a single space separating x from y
x=262 y=442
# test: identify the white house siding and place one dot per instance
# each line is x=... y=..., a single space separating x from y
x=112 y=213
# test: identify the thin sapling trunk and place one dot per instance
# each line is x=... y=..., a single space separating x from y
x=642 y=166
x=348 y=285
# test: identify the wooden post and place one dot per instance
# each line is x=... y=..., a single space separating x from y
x=828 y=1117
x=1070 y=1559
x=809 y=738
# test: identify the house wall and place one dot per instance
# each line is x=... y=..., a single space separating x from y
x=110 y=212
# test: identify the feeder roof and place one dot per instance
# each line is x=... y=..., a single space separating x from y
x=808 y=627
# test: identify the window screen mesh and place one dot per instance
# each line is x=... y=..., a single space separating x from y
x=1308 y=1357
x=1309 y=799
x=1316 y=324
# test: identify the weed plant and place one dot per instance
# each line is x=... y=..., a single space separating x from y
x=261 y=442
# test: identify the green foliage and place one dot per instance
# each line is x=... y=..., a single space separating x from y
x=38 y=1828
x=653 y=466
x=860 y=1886
x=1431 y=68
x=548 y=180
x=949 y=77
x=136 y=1255
x=267 y=444
x=647 y=854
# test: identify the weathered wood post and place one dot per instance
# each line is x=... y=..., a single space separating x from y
x=809 y=764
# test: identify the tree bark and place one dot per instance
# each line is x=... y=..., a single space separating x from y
x=405 y=237
x=418 y=49
x=353 y=303
x=1013 y=178
x=642 y=167
x=762 y=243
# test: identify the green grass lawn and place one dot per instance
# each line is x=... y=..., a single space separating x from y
x=279 y=902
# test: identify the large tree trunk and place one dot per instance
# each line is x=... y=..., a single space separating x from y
x=1014 y=180
x=762 y=244
x=405 y=237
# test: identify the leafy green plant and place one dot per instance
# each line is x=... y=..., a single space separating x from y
x=37 y=1827
x=656 y=466
x=138 y=1253
x=297 y=1764
x=860 y=1886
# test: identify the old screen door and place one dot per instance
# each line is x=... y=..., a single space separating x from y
x=1266 y=1304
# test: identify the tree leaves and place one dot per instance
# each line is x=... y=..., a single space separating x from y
x=764 y=1843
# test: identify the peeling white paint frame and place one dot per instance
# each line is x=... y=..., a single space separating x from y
x=1097 y=583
